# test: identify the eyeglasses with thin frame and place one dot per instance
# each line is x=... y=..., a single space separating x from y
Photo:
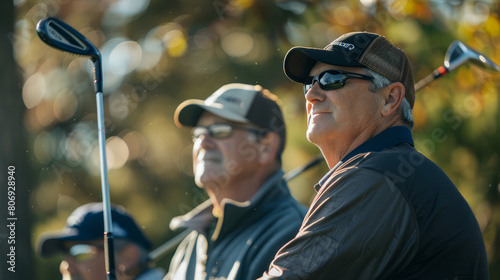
x=332 y=79
x=84 y=252
x=219 y=130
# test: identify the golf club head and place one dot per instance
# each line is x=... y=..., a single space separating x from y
x=59 y=35
x=459 y=53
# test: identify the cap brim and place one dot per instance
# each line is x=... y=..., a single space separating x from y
x=53 y=243
x=189 y=112
x=300 y=60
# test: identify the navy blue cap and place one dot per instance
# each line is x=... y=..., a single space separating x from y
x=86 y=223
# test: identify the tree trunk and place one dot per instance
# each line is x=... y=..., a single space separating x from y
x=16 y=254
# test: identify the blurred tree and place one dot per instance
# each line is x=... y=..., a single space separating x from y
x=13 y=152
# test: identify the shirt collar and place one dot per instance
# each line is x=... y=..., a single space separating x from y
x=384 y=140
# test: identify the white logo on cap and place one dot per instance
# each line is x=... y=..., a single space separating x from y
x=344 y=45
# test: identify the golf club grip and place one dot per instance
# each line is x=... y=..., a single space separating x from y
x=439 y=72
x=109 y=255
x=98 y=81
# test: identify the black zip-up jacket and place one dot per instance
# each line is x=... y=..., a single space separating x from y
x=241 y=244
x=385 y=212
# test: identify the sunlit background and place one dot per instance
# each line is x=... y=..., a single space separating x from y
x=158 y=53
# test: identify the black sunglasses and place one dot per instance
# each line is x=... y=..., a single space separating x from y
x=332 y=79
x=219 y=130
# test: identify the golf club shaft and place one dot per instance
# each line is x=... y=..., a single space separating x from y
x=59 y=35
x=106 y=200
x=438 y=73
x=297 y=171
x=106 y=203
x=169 y=245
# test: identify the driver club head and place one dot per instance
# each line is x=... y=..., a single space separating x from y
x=459 y=53
x=59 y=35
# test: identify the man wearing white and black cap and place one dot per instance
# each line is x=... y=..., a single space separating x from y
x=239 y=136
x=81 y=241
x=383 y=211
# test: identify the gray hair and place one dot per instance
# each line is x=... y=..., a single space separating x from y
x=380 y=82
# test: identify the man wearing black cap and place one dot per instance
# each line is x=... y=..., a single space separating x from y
x=383 y=211
x=82 y=242
x=239 y=136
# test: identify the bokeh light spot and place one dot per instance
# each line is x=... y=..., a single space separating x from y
x=136 y=144
x=237 y=44
x=243 y=3
x=80 y=142
x=492 y=26
x=175 y=43
x=117 y=152
x=119 y=105
x=152 y=50
x=368 y=3
x=344 y=15
x=33 y=90
x=65 y=105
x=128 y=8
x=125 y=57
x=44 y=113
x=44 y=147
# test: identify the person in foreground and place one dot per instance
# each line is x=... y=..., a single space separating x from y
x=82 y=243
x=239 y=136
x=383 y=211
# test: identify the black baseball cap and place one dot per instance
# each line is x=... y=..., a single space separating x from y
x=86 y=223
x=355 y=49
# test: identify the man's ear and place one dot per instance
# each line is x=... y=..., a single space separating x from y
x=268 y=147
x=394 y=95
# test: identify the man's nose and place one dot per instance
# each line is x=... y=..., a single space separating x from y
x=315 y=94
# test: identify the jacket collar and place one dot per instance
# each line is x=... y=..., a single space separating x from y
x=233 y=211
x=384 y=140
